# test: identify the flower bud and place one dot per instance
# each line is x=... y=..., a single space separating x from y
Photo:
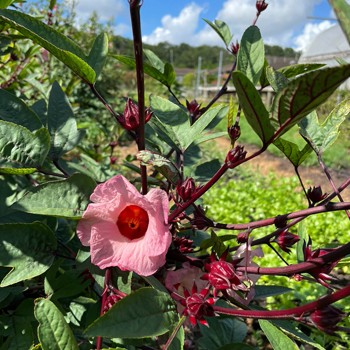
x=286 y=239
x=235 y=155
x=327 y=318
x=186 y=189
x=315 y=194
x=235 y=48
x=261 y=5
x=130 y=119
x=194 y=109
x=234 y=131
x=112 y=160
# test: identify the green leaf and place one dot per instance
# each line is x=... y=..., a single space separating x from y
x=61 y=123
x=98 y=53
x=305 y=93
x=5 y=3
x=221 y=331
x=251 y=54
x=66 y=50
x=323 y=136
x=276 y=79
x=144 y=313
x=53 y=331
x=342 y=11
x=276 y=337
x=167 y=77
x=297 y=69
x=292 y=330
x=253 y=107
x=13 y=109
x=292 y=152
x=154 y=60
x=172 y=123
x=27 y=248
x=22 y=151
x=64 y=198
x=304 y=240
x=165 y=166
x=222 y=29
x=237 y=346
x=262 y=292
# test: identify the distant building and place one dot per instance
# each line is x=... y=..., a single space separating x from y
x=326 y=47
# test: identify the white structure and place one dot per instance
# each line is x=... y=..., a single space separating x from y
x=326 y=47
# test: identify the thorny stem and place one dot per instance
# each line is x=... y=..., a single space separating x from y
x=136 y=30
x=107 y=280
x=289 y=313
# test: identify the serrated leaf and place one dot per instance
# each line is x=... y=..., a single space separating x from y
x=61 y=123
x=305 y=93
x=98 y=53
x=53 y=331
x=64 y=198
x=144 y=313
x=292 y=152
x=276 y=79
x=301 y=68
x=222 y=29
x=166 y=77
x=160 y=163
x=14 y=110
x=253 y=107
x=66 y=50
x=276 y=337
x=22 y=151
x=323 y=136
x=27 y=248
x=251 y=54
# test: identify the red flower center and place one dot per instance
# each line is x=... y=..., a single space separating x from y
x=133 y=222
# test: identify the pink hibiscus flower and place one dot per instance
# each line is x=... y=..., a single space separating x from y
x=126 y=229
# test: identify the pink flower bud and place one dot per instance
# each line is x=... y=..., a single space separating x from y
x=235 y=155
x=285 y=240
x=112 y=160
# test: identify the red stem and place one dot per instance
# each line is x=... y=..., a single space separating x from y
x=289 y=313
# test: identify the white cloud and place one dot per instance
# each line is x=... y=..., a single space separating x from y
x=105 y=9
x=280 y=23
x=177 y=30
x=311 y=30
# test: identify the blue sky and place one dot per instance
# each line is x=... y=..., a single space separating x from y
x=285 y=22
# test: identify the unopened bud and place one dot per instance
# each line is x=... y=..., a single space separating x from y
x=327 y=318
x=234 y=131
x=235 y=48
x=261 y=5
x=186 y=189
x=130 y=119
x=235 y=155
x=315 y=194
x=193 y=108
x=286 y=239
